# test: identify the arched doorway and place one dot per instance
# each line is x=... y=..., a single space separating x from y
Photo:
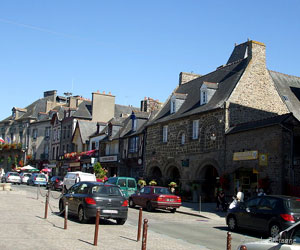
x=210 y=180
x=156 y=175
x=173 y=174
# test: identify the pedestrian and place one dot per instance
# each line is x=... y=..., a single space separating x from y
x=217 y=199
x=221 y=199
x=261 y=192
x=240 y=195
x=77 y=179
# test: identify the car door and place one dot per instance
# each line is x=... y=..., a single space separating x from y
x=79 y=195
x=131 y=184
x=137 y=198
x=146 y=196
x=69 y=196
x=247 y=212
x=266 y=210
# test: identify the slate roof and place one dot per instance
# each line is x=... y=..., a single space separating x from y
x=84 y=110
x=289 y=89
x=279 y=119
x=86 y=129
x=239 y=53
x=122 y=109
x=226 y=77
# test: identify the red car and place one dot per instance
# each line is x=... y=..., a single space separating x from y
x=152 y=197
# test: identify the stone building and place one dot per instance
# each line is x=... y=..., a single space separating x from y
x=208 y=131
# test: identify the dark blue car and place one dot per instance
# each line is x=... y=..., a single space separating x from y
x=270 y=213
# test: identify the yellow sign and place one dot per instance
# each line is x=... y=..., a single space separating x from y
x=246 y=155
x=254 y=171
x=263 y=160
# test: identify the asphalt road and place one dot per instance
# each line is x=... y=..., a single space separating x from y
x=206 y=233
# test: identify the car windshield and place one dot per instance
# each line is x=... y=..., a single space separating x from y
x=106 y=190
x=293 y=205
x=161 y=191
x=41 y=176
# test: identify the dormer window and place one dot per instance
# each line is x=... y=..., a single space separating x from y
x=207 y=91
x=133 y=122
x=177 y=100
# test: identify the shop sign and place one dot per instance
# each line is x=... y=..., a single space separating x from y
x=263 y=160
x=108 y=158
x=246 y=155
x=74 y=164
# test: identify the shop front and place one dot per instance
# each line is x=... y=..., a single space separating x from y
x=111 y=164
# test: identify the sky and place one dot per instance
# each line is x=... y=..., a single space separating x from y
x=133 y=49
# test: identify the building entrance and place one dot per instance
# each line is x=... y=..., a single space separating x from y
x=247 y=178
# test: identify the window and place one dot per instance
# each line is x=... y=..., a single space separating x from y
x=122 y=182
x=131 y=184
x=172 y=106
x=107 y=151
x=133 y=144
x=134 y=124
x=64 y=132
x=195 y=129
x=54 y=134
x=182 y=139
x=34 y=133
x=47 y=132
x=165 y=133
x=203 y=98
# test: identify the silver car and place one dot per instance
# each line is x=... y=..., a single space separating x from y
x=12 y=177
x=288 y=239
x=25 y=177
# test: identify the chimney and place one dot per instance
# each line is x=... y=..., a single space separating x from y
x=51 y=93
x=72 y=101
x=186 y=77
x=103 y=107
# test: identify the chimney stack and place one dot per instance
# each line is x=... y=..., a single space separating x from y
x=187 y=77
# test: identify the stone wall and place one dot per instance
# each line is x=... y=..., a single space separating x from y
x=255 y=96
x=266 y=141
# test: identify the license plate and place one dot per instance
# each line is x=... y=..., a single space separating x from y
x=107 y=211
x=170 y=199
x=40 y=179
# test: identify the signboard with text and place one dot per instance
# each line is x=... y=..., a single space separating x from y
x=246 y=155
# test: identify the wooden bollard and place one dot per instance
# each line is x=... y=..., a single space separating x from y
x=96 y=226
x=46 y=206
x=228 y=241
x=139 y=224
x=144 y=240
x=66 y=215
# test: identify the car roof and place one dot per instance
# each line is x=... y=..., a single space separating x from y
x=96 y=183
x=156 y=187
x=284 y=197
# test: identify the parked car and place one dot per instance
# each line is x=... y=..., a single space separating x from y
x=152 y=197
x=84 y=197
x=12 y=177
x=55 y=183
x=37 y=179
x=271 y=214
x=288 y=239
x=70 y=177
x=24 y=177
x=127 y=184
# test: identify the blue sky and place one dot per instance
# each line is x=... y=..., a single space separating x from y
x=133 y=49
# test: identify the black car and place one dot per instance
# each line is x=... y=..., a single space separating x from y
x=55 y=183
x=85 y=197
x=270 y=213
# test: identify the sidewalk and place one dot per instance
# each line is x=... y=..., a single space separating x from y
x=23 y=227
x=208 y=210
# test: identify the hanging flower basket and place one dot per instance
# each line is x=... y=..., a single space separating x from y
x=173 y=184
x=153 y=183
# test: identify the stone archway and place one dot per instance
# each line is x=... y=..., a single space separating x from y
x=173 y=174
x=209 y=178
x=156 y=174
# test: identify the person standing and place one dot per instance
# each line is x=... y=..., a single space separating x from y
x=77 y=179
x=240 y=195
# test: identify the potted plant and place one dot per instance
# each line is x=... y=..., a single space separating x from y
x=153 y=183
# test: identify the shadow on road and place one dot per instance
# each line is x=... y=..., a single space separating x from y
x=244 y=232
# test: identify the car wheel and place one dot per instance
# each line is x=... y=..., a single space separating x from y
x=149 y=206
x=173 y=210
x=131 y=203
x=81 y=215
x=232 y=225
x=274 y=230
x=121 y=221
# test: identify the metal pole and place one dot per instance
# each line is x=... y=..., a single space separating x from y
x=96 y=226
x=139 y=224
x=228 y=241
x=66 y=215
x=200 y=204
x=37 y=192
x=144 y=240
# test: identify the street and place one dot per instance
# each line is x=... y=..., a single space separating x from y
x=25 y=227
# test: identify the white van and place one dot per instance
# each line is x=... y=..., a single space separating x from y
x=70 y=177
